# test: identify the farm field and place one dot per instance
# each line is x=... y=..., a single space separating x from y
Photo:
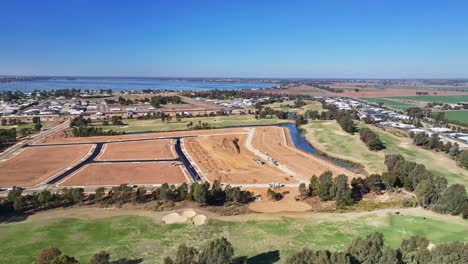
x=138 y=150
x=329 y=137
x=435 y=98
x=81 y=232
x=276 y=142
x=111 y=174
x=387 y=102
x=132 y=125
x=461 y=116
x=218 y=159
x=36 y=164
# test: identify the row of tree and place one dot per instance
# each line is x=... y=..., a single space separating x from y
x=372 y=249
x=431 y=190
x=80 y=127
x=433 y=142
x=158 y=100
x=368 y=249
x=201 y=193
x=371 y=139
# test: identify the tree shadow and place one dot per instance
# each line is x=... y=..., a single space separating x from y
x=127 y=261
x=14 y=217
x=269 y=257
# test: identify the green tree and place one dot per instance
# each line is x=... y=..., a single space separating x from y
x=44 y=197
x=219 y=251
x=463 y=159
x=452 y=200
x=340 y=191
x=314 y=185
x=186 y=255
x=425 y=193
x=325 y=185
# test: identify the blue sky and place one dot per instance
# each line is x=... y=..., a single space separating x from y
x=240 y=38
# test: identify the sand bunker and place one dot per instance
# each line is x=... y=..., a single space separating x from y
x=174 y=218
x=199 y=219
x=189 y=213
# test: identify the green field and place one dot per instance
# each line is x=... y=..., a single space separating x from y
x=435 y=99
x=388 y=103
x=311 y=105
x=461 y=116
x=136 y=237
x=329 y=137
x=133 y=125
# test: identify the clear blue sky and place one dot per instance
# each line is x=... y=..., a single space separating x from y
x=239 y=38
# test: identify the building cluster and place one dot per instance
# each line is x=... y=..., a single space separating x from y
x=237 y=103
x=343 y=104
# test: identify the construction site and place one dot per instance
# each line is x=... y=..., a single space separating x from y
x=251 y=157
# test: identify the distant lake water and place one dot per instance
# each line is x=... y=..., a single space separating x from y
x=126 y=84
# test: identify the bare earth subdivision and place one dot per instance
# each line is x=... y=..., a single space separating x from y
x=254 y=157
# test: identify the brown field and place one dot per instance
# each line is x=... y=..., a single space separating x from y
x=110 y=174
x=138 y=150
x=276 y=142
x=60 y=138
x=218 y=159
x=36 y=164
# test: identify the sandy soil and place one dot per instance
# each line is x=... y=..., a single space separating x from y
x=139 y=150
x=110 y=174
x=199 y=219
x=173 y=218
x=36 y=164
x=218 y=159
x=56 y=139
x=287 y=204
x=275 y=142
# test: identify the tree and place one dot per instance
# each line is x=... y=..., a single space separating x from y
x=44 y=197
x=367 y=249
x=452 y=200
x=341 y=191
x=425 y=193
x=201 y=192
x=313 y=185
x=219 y=251
x=100 y=258
x=324 y=186
x=186 y=255
x=46 y=255
x=415 y=250
x=303 y=189
x=99 y=193
x=463 y=159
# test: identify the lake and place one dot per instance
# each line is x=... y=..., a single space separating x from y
x=126 y=84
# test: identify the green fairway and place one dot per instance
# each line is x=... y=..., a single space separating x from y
x=311 y=105
x=388 y=103
x=138 y=237
x=461 y=116
x=435 y=98
x=330 y=138
x=133 y=125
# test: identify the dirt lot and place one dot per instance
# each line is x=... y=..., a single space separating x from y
x=110 y=174
x=138 y=150
x=60 y=138
x=36 y=164
x=219 y=159
x=277 y=144
x=287 y=204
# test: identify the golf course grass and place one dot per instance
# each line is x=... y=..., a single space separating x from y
x=388 y=103
x=460 y=116
x=330 y=138
x=310 y=105
x=133 y=125
x=138 y=237
x=435 y=98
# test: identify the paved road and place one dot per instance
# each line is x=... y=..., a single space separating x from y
x=15 y=148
